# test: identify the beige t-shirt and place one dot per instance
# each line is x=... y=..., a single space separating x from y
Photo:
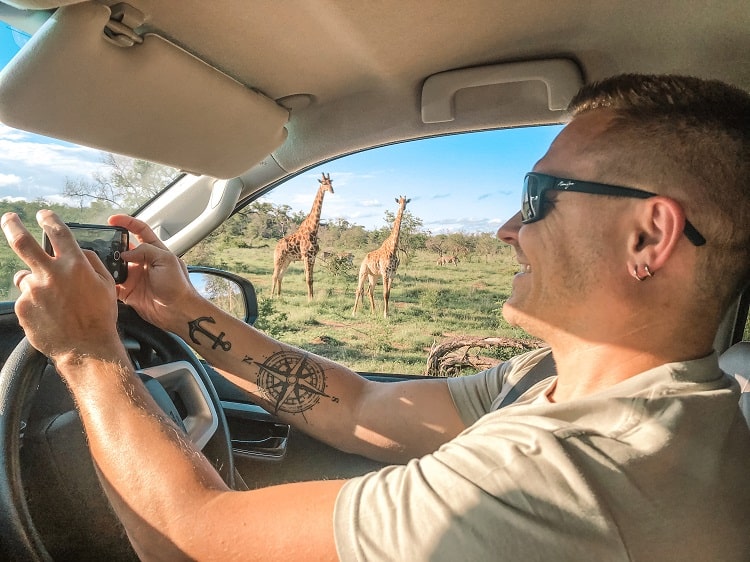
x=654 y=468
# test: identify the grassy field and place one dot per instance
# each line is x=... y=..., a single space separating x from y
x=429 y=304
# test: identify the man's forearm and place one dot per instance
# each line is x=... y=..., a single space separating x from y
x=120 y=417
x=326 y=400
x=301 y=388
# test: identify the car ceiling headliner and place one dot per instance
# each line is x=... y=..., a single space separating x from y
x=360 y=65
x=330 y=48
x=334 y=48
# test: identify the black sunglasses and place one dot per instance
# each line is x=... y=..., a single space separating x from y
x=535 y=185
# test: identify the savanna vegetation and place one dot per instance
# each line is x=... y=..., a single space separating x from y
x=429 y=302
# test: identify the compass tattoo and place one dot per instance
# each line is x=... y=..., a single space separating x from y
x=292 y=382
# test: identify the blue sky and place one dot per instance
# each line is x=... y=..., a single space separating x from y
x=467 y=183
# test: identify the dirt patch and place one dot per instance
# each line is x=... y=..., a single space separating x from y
x=333 y=324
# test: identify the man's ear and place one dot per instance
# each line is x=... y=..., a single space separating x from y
x=659 y=227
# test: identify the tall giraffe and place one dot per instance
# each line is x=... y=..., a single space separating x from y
x=302 y=244
x=383 y=262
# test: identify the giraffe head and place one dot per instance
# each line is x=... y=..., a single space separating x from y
x=402 y=201
x=326 y=183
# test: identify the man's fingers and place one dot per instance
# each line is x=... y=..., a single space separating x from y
x=97 y=264
x=19 y=276
x=61 y=238
x=22 y=242
x=140 y=229
x=143 y=254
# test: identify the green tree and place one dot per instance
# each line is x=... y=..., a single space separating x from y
x=459 y=244
x=125 y=183
x=488 y=245
x=411 y=237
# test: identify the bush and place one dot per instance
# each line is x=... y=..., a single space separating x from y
x=271 y=321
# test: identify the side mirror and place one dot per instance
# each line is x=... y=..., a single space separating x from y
x=230 y=292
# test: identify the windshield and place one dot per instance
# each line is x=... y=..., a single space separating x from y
x=80 y=184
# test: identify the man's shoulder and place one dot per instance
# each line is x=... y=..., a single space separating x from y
x=513 y=369
x=475 y=395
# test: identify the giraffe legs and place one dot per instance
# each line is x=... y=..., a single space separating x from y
x=278 y=275
x=365 y=273
x=383 y=262
x=371 y=281
x=371 y=272
x=387 y=281
x=280 y=263
x=309 y=264
x=360 y=287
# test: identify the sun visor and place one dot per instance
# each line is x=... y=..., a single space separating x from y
x=39 y=4
x=152 y=100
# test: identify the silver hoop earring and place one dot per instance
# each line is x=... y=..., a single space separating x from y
x=648 y=271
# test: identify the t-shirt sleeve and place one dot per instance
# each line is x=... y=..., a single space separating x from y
x=474 y=395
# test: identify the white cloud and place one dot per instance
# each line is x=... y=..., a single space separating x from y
x=9 y=179
x=370 y=203
x=36 y=167
x=56 y=158
x=467 y=225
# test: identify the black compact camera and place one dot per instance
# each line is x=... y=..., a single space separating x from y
x=108 y=242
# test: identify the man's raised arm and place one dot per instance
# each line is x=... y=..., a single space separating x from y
x=389 y=422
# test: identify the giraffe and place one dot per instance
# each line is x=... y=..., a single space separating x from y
x=302 y=244
x=384 y=262
x=444 y=260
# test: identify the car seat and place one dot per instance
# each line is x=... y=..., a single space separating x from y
x=735 y=361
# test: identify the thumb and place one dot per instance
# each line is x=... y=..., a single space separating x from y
x=157 y=258
x=145 y=254
x=97 y=264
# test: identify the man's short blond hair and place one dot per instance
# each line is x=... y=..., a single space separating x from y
x=688 y=139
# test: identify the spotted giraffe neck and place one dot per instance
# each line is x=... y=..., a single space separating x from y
x=310 y=224
x=392 y=241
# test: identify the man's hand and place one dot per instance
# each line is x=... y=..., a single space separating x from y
x=68 y=305
x=158 y=282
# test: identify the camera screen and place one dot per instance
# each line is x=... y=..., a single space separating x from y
x=107 y=243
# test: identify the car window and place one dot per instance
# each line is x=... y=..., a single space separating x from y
x=453 y=273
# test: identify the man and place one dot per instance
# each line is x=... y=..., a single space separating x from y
x=636 y=450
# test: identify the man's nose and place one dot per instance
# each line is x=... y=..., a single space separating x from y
x=508 y=233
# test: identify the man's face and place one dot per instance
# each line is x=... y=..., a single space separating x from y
x=570 y=256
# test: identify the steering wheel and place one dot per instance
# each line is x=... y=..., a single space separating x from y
x=46 y=471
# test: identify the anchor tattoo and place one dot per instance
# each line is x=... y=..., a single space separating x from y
x=195 y=326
